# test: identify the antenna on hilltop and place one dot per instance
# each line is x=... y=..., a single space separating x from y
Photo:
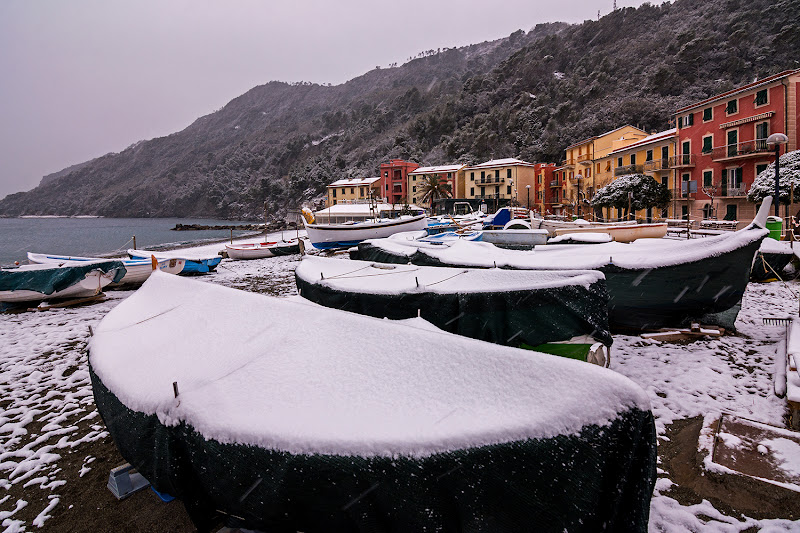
x=598 y=14
x=615 y=5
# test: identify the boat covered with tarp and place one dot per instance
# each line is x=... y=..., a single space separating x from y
x=362 y=424
x=31 y=283
x=651 y=283
x=561 y=312
x=771 y=259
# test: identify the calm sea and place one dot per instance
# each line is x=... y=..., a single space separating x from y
x=97 y=236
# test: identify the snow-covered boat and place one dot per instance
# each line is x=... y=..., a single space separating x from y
x=621 y=232
x=137 y=270
x=515 y=237
x=281 y=430
x=260 y=250
x=651 y=282
x=326 y=236
x=32 y=283
x=449 y=236
x=562 y=312
x=192 y=263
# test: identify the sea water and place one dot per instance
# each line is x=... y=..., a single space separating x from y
x=99 y=236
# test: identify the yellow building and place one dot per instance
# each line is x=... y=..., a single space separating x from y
x=353 y=190
x=649 y=156
x=587 y=165
x=498 y=182
x=453 y=174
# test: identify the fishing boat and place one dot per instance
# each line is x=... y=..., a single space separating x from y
x=260 y=250
x=561 y=312
x=279 y=430
x=33 y=283
x=652 y=283
x=136 y=270
x=622 y=232
x=341 y=235
x=771 y=259
x=192 y=263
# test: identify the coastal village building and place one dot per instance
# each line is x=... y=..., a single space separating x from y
x=555 y=192
x=649 y=156
x=498 y=182
x=354 y=190
x=394 y=180
x=540 y=194
x=588 y=167
x=453 y=174
x=722 y=145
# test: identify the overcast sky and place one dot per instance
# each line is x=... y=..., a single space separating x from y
x=82 y=78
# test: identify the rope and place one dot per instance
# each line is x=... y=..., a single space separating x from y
x=445 y=279
x=767 y=265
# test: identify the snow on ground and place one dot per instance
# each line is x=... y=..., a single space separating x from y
x=46 y=403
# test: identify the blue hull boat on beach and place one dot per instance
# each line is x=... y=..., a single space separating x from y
x=193 y=264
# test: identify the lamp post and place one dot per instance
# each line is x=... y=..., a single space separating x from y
x=776 y=140
x=528 y=187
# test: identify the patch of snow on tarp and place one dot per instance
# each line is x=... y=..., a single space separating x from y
x=640 y=254
x=261 y=371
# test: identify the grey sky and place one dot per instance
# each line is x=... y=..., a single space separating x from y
x=83 y=78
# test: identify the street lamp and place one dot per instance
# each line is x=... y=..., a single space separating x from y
x=776 y=140
x=528 y=187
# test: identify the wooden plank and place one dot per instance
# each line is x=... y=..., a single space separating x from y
x=77 y=301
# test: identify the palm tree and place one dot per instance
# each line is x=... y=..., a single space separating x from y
x=434 y=187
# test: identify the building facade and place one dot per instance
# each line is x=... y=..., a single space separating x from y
x=394 y=180
x=721 y=145
x=499 y=181
x=353 y=190
x=452 y=174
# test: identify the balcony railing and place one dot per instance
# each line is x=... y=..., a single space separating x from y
x=628 y=169
x=741 y=150
x=656 y=164
x=554 y=183
x=734 y=191
x=682 y=161
x=585 y=159
x=490 y=180
x=568 y=163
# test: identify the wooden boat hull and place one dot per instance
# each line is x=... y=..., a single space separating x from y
x=327 y=236
x=262 y=250
x=627 y=233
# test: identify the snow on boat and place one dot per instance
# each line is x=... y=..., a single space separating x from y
x=282 y=432
x=771 y=259
x=193 y=263
x=32 y=283
x=622 y=233
x=581 y=238
x=260 y=250
x=450 y=236
x=557 y=312
x=327 y=236
x=137 y=270
x=651 y=283
x=515 y=237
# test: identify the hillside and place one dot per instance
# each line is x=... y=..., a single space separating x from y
x=528 y=95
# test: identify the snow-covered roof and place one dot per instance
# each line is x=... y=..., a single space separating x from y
x=654 y=138
x=438 y=169
x=743 y=88
x=353 y=182
x=510 y=161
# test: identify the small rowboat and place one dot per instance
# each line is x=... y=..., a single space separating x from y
x=193 y=263
x=32 y=283
x=137 y=270
x=259 y=250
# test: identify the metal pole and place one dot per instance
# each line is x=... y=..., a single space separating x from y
x=777 y=178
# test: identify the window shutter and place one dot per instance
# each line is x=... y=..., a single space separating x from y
x=680 y=122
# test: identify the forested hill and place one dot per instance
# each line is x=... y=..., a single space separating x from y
x=528 y=95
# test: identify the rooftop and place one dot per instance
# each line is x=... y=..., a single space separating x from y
x=353 y=182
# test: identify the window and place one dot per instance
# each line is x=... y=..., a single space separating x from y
x=619 y=161
x=761 y=168
x=664 y=155
x=472 y=176
x=708 y=114
x=497 y=190
x=762 y=132
x=413 y=178
x=508 y=189
x=608 y=165
x=508 y=173
x=598 y=167
x=708 y=178
x=497 y=173
x=334 y=193
x=414 y=188
x=352 y=190
x=649 y=156
x=761 y=97
x=483 y=175
x=664 y=182
x=633 y=159
x=361 y=191
x=386 y=174
x=733 y=143
x=732 y=107
x=680 y=122
x=472 y=191
x=707 y=141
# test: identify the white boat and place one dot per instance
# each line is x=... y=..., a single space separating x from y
x=260 y=250
x=622 y=233
x=341 y=235
x=515 y=237
x=32 y=283
x=449 y=236
x=138 y=270
x=553 y=225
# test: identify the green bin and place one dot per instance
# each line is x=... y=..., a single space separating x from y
x=775 y=226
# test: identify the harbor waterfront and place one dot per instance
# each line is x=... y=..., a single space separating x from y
x=90 y=236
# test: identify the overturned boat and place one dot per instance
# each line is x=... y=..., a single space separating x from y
x=651 y=283
x=559 y=312
x=278 y=431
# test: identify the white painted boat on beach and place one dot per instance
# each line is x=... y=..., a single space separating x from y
x=138 y=270
x=341 y=235
x=260 y=250
x=38 y=282
x=622 y=233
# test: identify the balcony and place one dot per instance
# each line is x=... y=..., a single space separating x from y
x=554 y=183
x=733 y=192
x=568 y=163
x=488 y=196
x=490 y=180
x=682 y=161
x=656 y=164
x=584 y=159
x=742 y=150
x=628 y=169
